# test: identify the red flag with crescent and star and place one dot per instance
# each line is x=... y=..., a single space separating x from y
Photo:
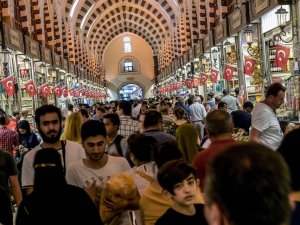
x=71 y=91
x=203 y=78
x=45 y=90
x=228 y=72
x=64 y=91
x=56 y=90
x=249 y=66
x=195 y=82
x=214 y=75
x=281 y=56
x=30 y=88
x=8 y=84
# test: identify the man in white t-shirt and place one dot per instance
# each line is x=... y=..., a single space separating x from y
x=48 y=120
x=265 y=125
x=97 y=167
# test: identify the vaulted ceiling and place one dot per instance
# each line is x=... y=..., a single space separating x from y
x=101 y=21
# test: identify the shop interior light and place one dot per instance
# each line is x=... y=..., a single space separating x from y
x=281 y=19
x=215 y=56
x=249 y=36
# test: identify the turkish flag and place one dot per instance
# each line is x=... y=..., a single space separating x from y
x=203 y=78
x=45 y=90
x=64 y=91
x=249 y=66
x=189 y=83
x=30 y=88
x=282 y=56
x=8 y=84
x=195 y=82
x=228 y=72
x=71 y=91
x=77 y=93
x=56 y=90
x=214 y=75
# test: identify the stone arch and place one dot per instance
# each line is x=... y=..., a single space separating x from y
x=136 y=64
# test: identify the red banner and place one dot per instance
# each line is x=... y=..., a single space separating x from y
x=214 y=75
x=195 y=82
x=71 y=91
x=282 y=56
x=8 y=84
x=64 y=91
x=77 y=93
x=249 y=66
x=189 y=83
x=45 y=90
x=30 y=88
x=203 y=78
x=228 y=72
x=57 y=91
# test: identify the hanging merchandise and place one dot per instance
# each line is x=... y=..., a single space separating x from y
x=45 y=90
x=64 y=91
x=249 y=66
x=214 y=75
x=30 y=88
x=56 y=90
x=8 y=84
x=203 y=78
x=281 y=56
x=228 y=72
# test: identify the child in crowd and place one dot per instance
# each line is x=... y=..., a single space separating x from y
x=177 y=178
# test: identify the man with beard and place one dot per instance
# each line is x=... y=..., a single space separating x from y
x=98 y=167
x=48 y=120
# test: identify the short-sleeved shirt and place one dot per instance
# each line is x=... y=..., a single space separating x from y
x=128 y=126
x=74 y=152
x=172 y=217
x=8 y=168
x=231 y=102
x=265 y=121
x=81 y=176
x=8 y=139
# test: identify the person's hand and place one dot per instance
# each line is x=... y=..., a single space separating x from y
x=94 y=191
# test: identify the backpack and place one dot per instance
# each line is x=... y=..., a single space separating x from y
x=117 y=142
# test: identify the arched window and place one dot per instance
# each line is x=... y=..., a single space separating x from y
x=129 y=64
x=127 y=44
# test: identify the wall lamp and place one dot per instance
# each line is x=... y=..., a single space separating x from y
x=252 y=51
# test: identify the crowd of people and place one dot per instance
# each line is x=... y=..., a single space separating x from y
x=154 y=161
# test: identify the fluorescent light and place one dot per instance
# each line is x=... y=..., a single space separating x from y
x=86 y=15
x=73 y=8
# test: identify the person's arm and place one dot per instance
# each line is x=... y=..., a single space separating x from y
x=16 y=190
x=254 y=135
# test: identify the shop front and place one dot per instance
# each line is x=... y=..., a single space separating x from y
x=55 y=77
x=12 y=46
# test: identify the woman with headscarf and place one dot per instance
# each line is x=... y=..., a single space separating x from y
x=53 y=201
x=27 y=138
x=187 y=140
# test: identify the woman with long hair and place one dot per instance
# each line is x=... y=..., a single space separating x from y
x=72 y=128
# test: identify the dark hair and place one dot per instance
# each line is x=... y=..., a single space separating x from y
x=179 y=113
x=165 y=152
x=70 y=107
x=152 y=118
x=92 y=128
x=2 y=119
x=174 y=172
x=101 y=109
x=114 y=118
x=84 y=112
x=126 y=107
x=41 y=111
x=288 y=149
x=250 y=184
x=16 y=113
x=274 y=89
x=141 y=146
x=248 y=104
x=218 y=122
x=225 y=92
x=24 y=124
x=221 y=105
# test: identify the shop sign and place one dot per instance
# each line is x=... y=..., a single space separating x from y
x=46 y=53
x=71 y=68
x=198 y=49
x=32 y=48
x=261 y=7
x=57 y=60
x=65 y=64
x=207 y=41
x=191 y=53
x=238 y=20
x=13 y=38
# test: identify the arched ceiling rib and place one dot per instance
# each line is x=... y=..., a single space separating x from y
x=136 y=28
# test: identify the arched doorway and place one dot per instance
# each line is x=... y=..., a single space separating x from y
x=131 y=91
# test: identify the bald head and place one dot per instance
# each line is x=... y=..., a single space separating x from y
x=218 y=122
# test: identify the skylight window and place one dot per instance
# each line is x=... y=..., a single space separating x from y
x=127 y=44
